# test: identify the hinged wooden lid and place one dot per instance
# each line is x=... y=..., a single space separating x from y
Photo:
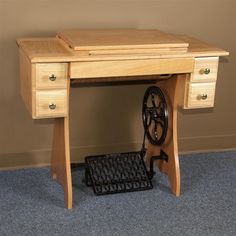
x=121 y=39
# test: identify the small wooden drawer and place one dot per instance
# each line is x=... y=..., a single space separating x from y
x=205 y=69
x=200 y=95
x=51 y=103
x=51 y=75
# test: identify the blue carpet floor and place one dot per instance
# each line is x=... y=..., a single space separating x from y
x=32 y=204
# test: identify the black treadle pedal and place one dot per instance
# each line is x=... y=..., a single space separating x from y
x=117 y=173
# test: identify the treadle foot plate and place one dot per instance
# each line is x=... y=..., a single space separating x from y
x=117 y=173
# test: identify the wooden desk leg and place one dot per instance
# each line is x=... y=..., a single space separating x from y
x=170 y=146
x=60 y=160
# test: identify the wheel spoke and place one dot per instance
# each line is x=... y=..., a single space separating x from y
x=155 y=131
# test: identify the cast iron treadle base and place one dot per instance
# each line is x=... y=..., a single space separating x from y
x=117 y=173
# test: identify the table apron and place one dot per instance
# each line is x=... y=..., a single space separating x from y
x=96 y=69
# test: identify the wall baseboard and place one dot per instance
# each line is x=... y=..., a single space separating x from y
x=188 y=145
x=207 y=143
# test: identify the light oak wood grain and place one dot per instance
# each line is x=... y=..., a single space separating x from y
x=45 y=70
x=170 y=146
x=200 y=65
x=60 y=160
x=146 y=51
x=55 y=50
x=45 y=98
x=130 y=67
x=43 y=47
x=26 y=80
x=194 y=93
x=119 y=39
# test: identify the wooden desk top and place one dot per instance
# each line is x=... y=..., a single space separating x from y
x=113 y=45
x=120 y=39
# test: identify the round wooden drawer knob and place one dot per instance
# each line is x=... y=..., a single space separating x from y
x=52 y=106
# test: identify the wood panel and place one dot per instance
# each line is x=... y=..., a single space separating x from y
x=60 y=160
x=47 y=98
x=119 y=39
x=26 y=80
x=199 y=48
x=201 y=64
x=130 y=67
x=146 y=51
x=170 y=146
x=55 y=50
x=196 y=92
x=46 y=70
x=47 y=48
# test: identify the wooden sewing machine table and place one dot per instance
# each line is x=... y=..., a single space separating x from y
x=49 y=65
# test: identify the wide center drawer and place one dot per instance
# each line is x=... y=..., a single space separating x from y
x=96 y=69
